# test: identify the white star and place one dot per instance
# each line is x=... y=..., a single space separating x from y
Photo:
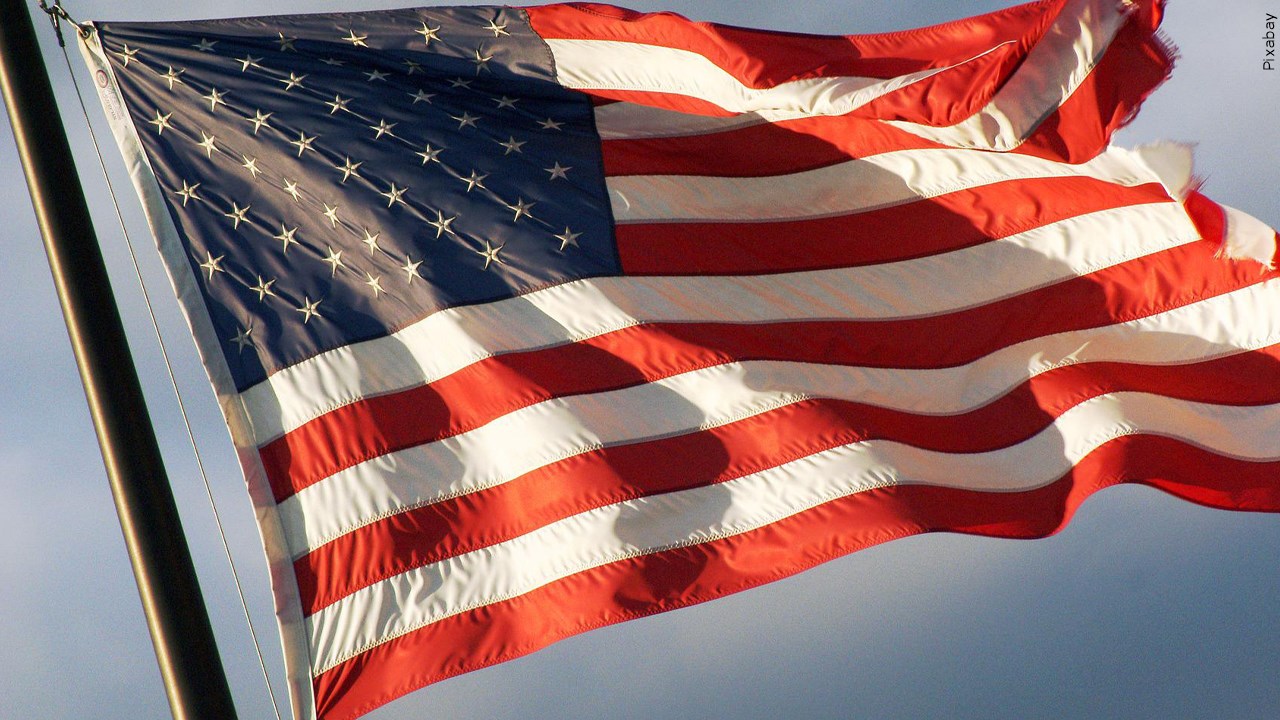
x=462 y=83
x=188 y=192
x=428 y=33
x=375 y=283
x=286 y=43
x=263 y=288
x=357 y=40
x=334 y=62
x=303 y=142
x=335 y=261
x=568 y=237
x=207 y=142
x=250 y=164
x=512 y=145
x=382 y=128
x=558 y=171
x=550 y=124
x=490 y=254
x=506 y=102
x=259 y=119
x=375 y=75
x=411 y=66
x=212 y=264
x=421 y=96
x=205 y=45
x=429 y=154
x=349 y=168
x=393 y=195
x=339 y=103
x=237 y=215
x=161 y=122
x=285 y=236
x=482 y=61
x=371 y=239
x=496 y=28
x=214 y=97
x=248 y=61
x=465 y=120
x=309 y=309
x=522 y=208
x=126 y=55
x=442 y=224
x=475 y=181
x=331 y=212
x=291 y=187
x=172 y=76
x=242 y=338
x=295 y=80
x=411 y=267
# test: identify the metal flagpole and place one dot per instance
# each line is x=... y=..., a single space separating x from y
x=180 y=631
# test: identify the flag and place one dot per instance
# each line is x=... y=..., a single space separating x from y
x=529 y=321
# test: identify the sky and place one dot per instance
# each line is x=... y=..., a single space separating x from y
x=1143 y=607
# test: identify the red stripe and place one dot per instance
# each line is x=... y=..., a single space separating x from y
x=760 y=150
x=611 y=475
x=953 y=95
x=498 y=385
x=1137 y=62
x=763 y=59
x=943 y=98
x=667 y=101
x=1209 y=218
x=677 y=578
x=899 y=232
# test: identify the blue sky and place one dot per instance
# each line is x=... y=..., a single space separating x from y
x=1144 y=607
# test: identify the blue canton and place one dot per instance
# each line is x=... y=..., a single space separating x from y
x=335 y=178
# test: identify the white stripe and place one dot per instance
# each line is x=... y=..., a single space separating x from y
x=632 y=121
x=635 y=67
x=853 y=186
x=450 y=340
x=1248 y=237
x=536 y=436
x=419 y=597
x=1051 y=72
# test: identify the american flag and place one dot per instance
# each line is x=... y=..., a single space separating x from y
x=528 y=321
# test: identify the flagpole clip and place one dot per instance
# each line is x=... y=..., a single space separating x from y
x=57 y=14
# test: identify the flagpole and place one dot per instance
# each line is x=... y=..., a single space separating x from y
x=175 y=612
